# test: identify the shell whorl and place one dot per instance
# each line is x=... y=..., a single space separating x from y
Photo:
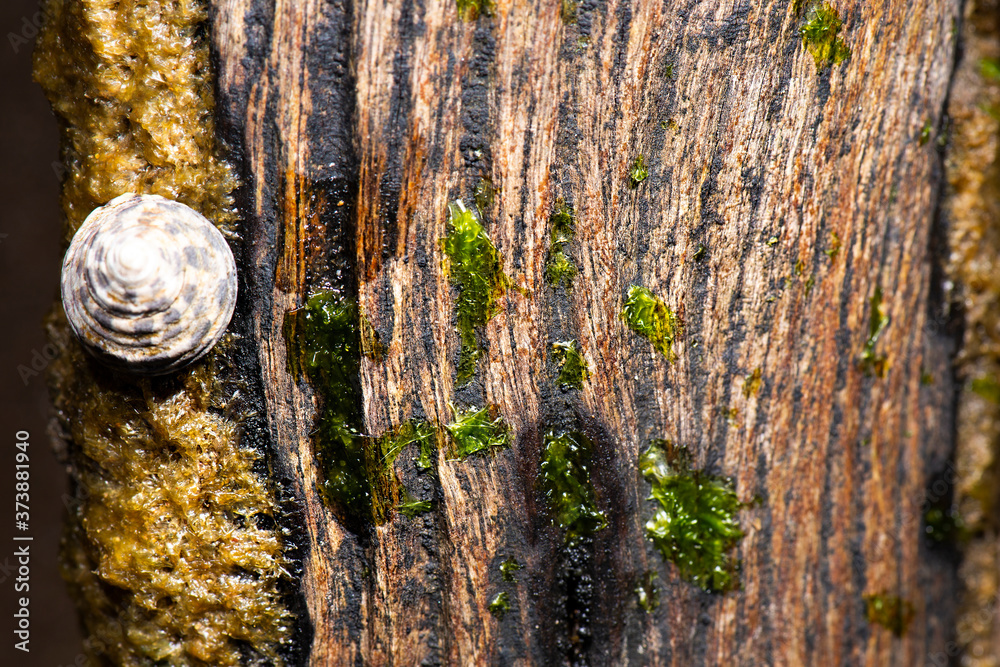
x=148 y=284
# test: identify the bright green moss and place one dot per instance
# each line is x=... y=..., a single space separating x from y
x=637 y=173
x=509 y=568
x=751 y=385
x=565 y=484
x=820 y=35
x=695 y=526
x=476 y=430
x=872 y=363
x=889 y=611
x=500 y=604
x=476 y=270
x=470 y=10
x=987 y=387
x=573 y=368
x=650 y=317
x=559 y=267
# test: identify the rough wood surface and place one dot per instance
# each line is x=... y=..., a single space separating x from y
x=358 y=122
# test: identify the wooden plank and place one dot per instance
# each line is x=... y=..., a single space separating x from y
x=398 y=109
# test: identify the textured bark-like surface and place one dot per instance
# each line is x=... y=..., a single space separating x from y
x=808 y=188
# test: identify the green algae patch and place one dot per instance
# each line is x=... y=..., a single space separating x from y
x=417 y=432
x=500 y=604
x=412 y=507
x=573 y=370
x=475 y=267
x=509 y=568
x=835 y=245
x=647 y=593
x=987 y=388
x=637 y=172
x=872 y=363
x=470 y=10
x=751 y=385
x=821 y=33
x=559 y=267
x=989 y=68
x=476 y=430
x=926 y=132
x=651 y=318
x=565 y=484
x=890 y=611
x=325 y=345
x=695 y=527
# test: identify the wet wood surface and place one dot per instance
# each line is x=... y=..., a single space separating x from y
x=808 y=188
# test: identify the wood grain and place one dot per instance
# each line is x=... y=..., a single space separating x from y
x=358 y=122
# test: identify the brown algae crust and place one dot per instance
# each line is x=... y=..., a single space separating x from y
x=130 y=83
x=171 y=550
x=972 y=215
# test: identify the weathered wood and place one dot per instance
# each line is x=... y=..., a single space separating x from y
x=358 y=123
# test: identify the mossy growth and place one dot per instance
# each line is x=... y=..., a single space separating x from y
x=416 y=432
x=476 y=430
x=889 y=611
x=171 y=548
x=509 y=568
x=987 y=388
x=821 y=33
x=751 y=385
x=470 y=10
x=637 y=173
x=325 y=343
x=696 y=526
x=565 y=484
x=871 y=362
x=650 y=317
x=573 y=369
x=500 y=604
x=475 y=267
x=559 y=267
x=647 y=592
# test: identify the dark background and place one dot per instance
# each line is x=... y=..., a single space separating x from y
x=29 y=269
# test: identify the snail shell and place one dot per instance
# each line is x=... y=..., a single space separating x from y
x=148 y=284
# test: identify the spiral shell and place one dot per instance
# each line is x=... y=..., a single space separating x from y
x=148 y=284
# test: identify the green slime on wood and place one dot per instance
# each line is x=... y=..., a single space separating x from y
x=695 y=526
x=566 y=486
x=509 y=568
x=820 y=35
x=872 y=363
x=559 y=267
x=500 y=604
x=324 y=341
x=650 y=317
x=573 y=368
x=476 y=269
x=475 y=430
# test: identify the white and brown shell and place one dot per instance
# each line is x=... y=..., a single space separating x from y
x=148 y=284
